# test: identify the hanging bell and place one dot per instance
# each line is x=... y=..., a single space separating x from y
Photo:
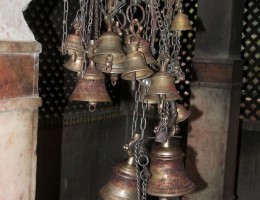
x=163 y=86
x=109 y=50
x=144 y=47
x=91 y=88
x=168 y=176
x=122 y=184
x=74 y=41
x=181 y=22
x=183 y=113
x=75 y=62
x=136 y=67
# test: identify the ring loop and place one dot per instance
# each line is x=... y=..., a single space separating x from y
x=146 y=158
x=128 y=12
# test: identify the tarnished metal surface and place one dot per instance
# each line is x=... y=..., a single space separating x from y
x=122 y=184
x=168 y=175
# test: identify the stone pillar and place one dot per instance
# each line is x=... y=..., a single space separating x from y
x=215 y=101
x=19 y=102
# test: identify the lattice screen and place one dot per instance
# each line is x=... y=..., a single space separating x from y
x=56 y=83
x=250 y=108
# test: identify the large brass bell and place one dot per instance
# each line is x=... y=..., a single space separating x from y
x=109 y=50
x=181 y=22
x=163 y=86
x=91 y=87
x=136 y=67
x=75 y=62
x=168 y=175
x=122 y=184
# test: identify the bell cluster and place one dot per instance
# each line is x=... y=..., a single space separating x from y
x=140 y=44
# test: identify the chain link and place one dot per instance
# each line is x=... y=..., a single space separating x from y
x=65 y=25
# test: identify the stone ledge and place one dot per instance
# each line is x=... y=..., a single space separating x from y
x=218 y=71
x=14 y=47
x=20 y=103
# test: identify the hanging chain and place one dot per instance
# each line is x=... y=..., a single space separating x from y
x=96 y=30
x=141 y=160
x=164 y=49
x=90 y=21
x=135 y=113
x=65 y=26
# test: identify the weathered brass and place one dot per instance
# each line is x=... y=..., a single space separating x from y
x=116 y=69
x=136 y=66
x=109 y=50
x=181 y=22
x=122 y=184
x=75 y=62
x=183 y=113
x=144 y=46
x=168 y=175
x=91 y=88
x=163 y=86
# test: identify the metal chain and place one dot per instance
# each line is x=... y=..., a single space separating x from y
x=135 y=113
x=65 y=26
x=90 y=21
x=164 y=49
x=96 y=30
x=142 y=160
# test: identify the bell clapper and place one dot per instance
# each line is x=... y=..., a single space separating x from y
x=113 y=78
x=133 y=82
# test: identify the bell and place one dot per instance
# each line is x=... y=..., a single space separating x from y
x=181 y=22
x=109 y=50
x=144 y=46
x=75 y=62
x=91 y=88
x=168 y=176
x=74 y=41
x=136 y=67
x=122 y=184
x=163 y=86
x=183 y=113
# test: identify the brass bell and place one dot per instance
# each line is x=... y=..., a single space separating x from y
x=109 y=50
x=75 y=62
x=163 y=86
x=181 y=22
x=74 y=41
x=122 y=184
x=91 y=88
x=144 y=46
x=183 y=113
x=168 y=175
x=136 y=67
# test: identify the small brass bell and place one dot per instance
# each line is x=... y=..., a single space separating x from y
x=183 y=113
x=109 y=49
x=136 y=67
x=181 y=22
x=75 y=62
x=168 y=176
x=163 y=86
x=74 y=41
x=122 y=184
x=144 y=46
x=91 y=88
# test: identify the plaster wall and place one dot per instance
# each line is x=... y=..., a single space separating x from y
x=13 y=27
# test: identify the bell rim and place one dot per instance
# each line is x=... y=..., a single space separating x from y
x=126 y=75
